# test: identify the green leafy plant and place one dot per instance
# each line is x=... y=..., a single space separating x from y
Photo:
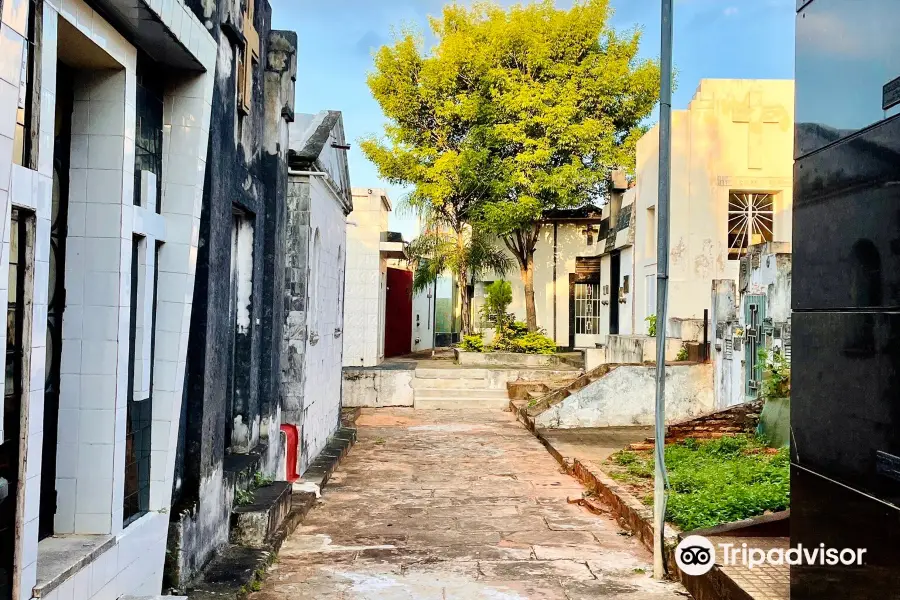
x=776 y=374
x=498 y=297
x=472 y=343
x=682 y=354
x=243 y=497
x=651 y=325
x=260 y=480
x=534 y=343
x=713 y=482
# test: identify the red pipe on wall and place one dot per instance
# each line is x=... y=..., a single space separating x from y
x=293 y=446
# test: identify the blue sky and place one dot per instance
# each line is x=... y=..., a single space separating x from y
x=713 y=38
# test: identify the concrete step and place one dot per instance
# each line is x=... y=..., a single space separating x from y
x=457 y=373
x=461 y=393
x=457 y=403
x=446 y=383
x=254 y=523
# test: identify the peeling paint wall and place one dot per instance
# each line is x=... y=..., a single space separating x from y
x=376 y=388
x=625 y=396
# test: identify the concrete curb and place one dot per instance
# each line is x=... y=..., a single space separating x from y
x=632 y=515
x=238 y=571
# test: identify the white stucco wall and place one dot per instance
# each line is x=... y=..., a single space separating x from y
x=713 y=153
x=322 y=388
x=366 y=279
x=625 y=396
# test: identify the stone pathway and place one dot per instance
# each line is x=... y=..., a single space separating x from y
x=456 y=505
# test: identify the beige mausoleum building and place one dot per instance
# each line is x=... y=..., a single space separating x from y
x=732 y=160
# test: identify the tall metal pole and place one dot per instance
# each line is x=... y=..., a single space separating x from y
x=662 y=285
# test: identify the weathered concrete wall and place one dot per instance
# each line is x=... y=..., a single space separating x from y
x=375 y=388
x=366 y=278
x=623 y=349
x=626 y=396
x=322 y=387
x=505 y=359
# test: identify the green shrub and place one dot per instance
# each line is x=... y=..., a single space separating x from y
x=776 y=371
x=534 y=343
x=682 y=354
x=651 y=325
x=472 y=343
x=718 y=481
x=498 y=297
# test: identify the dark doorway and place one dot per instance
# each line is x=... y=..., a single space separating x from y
x=398 y=313
x=57 y=293
x=10 y=446
x=614 y=277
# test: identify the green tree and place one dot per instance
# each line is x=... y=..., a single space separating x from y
x=468 y=253
x=568 y=96
x=433 y=142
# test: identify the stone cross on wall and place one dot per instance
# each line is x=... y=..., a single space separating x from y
x=757 y=115
x=247 y=57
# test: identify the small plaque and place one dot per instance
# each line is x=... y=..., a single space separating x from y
x=890 y=94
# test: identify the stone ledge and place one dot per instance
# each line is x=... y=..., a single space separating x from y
x=253 y=524
x=237 y=571
x=637 y=518
x=60 y=557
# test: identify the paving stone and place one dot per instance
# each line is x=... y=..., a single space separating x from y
x=456 y=505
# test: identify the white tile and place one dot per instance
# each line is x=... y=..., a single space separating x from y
x=78 y=179
x=32 y=498
x=101 y=289
x=84 y=18
x=77 y=214
x=67 y=454
x=174 y=258
x=6 y=150
x=81 y=126
x=39 y=327
x=15 y=14
x=165 y=376
x=30 y=540
x=98 y=358
x=64 y=520
x=101 y=323
x=66 y=590
x=96 y=426
x=102 y=254
x=20 y=191
x=11 y=44
x=105 y=568
x=103 y=221
x=93 y=496
x=106 y=151
x=171 y=287
x=82 y=579
x=27 y=579
x=104 y=186
x=92 y=523
x=94 y=461
x=33 y=455
x=42 y=279
x=9 y=102
x=98 y=391
x=183 y=170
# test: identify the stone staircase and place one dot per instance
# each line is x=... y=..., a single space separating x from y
x=529 y=399
x=452 y=389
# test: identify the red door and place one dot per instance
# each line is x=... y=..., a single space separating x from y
x=398 y=313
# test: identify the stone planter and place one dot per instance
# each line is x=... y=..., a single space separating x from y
x=775 y=422
x=504 y=359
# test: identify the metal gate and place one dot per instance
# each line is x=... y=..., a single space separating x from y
x=754 y=314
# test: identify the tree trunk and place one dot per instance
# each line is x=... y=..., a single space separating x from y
x=528 y=279
x=463 y=290
x=522 y=244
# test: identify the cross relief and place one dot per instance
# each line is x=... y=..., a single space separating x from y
x=248 y=56
x=757 y=115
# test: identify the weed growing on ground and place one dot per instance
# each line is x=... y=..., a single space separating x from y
x=380 y=440
x=713 y=482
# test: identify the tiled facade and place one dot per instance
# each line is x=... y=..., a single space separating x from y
x=103 y=226
x=366 y=279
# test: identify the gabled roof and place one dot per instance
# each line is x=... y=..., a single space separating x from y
x=317 y=145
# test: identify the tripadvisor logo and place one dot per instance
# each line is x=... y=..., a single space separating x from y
x=696 y=555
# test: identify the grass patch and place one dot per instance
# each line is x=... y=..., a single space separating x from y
x=712 y=482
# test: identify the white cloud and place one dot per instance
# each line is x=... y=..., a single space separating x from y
x=730 y=11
